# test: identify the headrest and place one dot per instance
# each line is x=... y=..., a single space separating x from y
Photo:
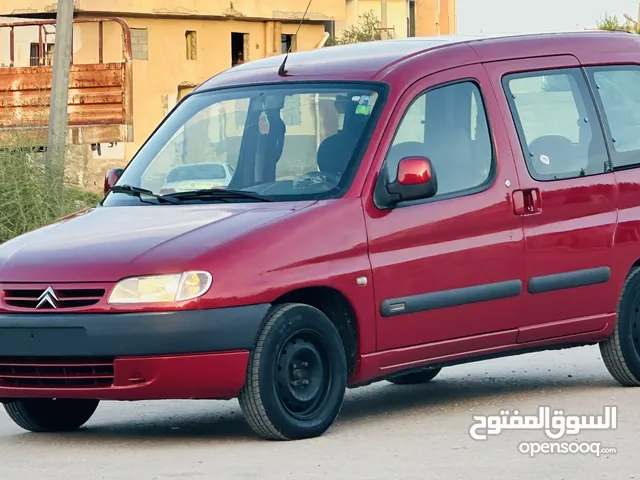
x=551 y=153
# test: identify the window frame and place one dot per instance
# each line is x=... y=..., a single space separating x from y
x=587 y=95
x=493 y=172
x=614 y=155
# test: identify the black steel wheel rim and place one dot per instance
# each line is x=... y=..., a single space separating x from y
x=303 y=374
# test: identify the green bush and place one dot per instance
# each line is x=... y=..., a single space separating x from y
x=611 y=22
x=30 y=197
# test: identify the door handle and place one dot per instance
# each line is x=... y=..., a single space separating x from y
x=527 y=201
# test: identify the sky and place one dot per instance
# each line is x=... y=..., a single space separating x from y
x=520 y=16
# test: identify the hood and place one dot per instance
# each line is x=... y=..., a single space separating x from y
x=106 y=244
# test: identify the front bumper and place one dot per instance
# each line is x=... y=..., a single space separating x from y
x=132 y=356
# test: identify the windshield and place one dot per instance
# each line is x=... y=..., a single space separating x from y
x=283 y=142
x=203 y=171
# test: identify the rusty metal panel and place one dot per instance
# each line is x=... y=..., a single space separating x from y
x=100 y=95
x=80 y=135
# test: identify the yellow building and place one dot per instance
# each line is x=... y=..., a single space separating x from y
x=175 y=45
x=405 y=18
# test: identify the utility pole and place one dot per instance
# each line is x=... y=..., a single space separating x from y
x=57 y=139
x=384 y=34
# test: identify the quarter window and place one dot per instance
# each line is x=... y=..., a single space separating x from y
x=618 y=90
x=557 y=123
x=449 y=126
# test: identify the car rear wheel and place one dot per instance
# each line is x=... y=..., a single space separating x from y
x=621 y=351
x=47 y=415
x=296 y=376
x=415 y=378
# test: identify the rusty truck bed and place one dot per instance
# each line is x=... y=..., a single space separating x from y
x=100 y=95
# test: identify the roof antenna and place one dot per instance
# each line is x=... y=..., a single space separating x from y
x=282 y=71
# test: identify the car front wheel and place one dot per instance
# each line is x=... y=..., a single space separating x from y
x=296 y=376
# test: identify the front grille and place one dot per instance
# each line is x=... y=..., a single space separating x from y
x=44 y=372
x=47 y=299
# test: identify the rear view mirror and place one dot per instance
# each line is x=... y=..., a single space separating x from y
x=415 y=179
x=111 y=177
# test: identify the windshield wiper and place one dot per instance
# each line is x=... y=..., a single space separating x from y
x=140 y=192
x=217 y=194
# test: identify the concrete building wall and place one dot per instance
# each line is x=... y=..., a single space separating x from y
x=162 y=71
x=432 y=17
x=156 y=81
x=397 y=14
x=25 y=36
x=22 y=49
x=435 y=17
x=259 y=9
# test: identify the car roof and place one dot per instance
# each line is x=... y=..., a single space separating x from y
x=371 y=60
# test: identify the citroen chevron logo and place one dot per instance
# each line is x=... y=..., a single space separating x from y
x=48 y=296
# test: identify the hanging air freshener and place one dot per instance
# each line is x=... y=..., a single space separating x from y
x=263 y=122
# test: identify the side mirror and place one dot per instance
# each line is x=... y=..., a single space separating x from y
x=111 y=177
x=415 y=179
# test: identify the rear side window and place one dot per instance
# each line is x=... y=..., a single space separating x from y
x=618 y=92
x=557 y=124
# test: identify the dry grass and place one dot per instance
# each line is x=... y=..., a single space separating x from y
x=29 y=197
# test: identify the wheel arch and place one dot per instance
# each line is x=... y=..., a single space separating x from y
x=335 y=305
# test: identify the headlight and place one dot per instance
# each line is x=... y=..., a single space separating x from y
x=161 y=288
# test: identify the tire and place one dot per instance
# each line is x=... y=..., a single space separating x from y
x=297 y=344
x=621 y=351
x=42 y=415
x=415 y=378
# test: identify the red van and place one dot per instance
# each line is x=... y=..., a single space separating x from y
x=396 y=207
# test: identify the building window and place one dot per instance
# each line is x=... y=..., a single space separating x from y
x=288 y=43
x=140 y=43
x=330 y=28
x=411 y=19
x=36 y=58
x=239 y=48
x=191 y=38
